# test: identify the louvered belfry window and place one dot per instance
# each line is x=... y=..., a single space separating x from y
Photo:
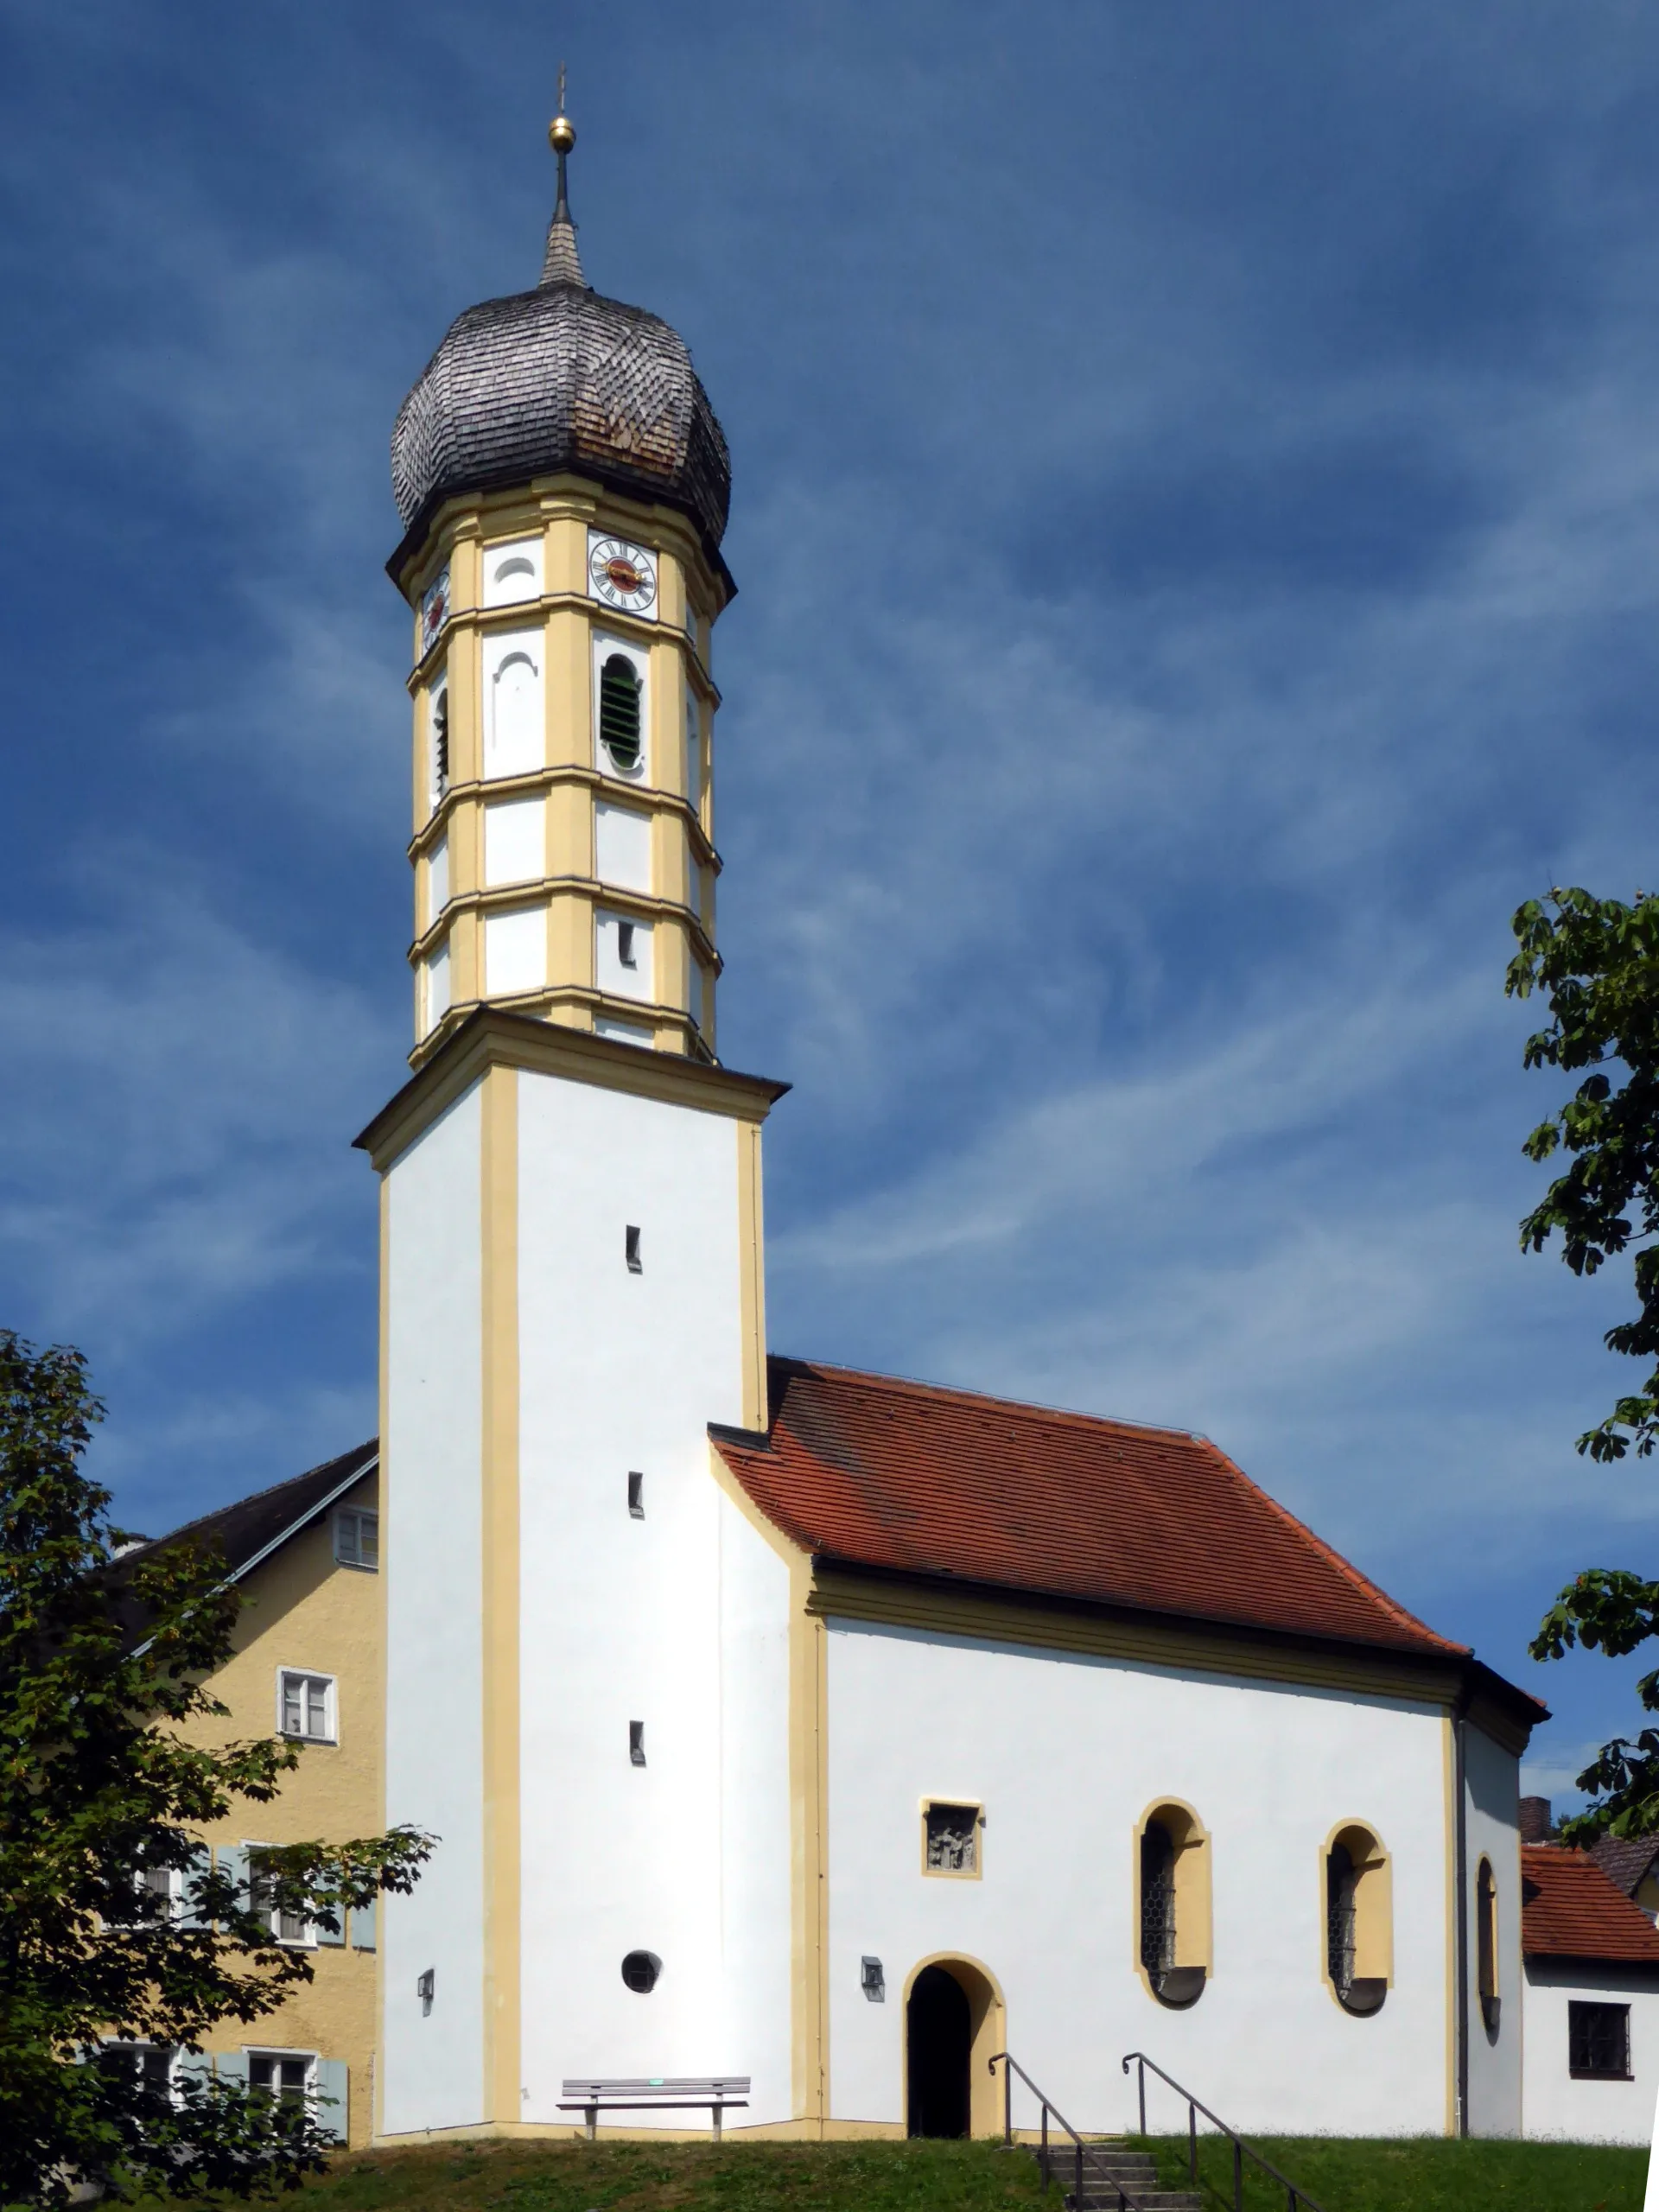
x=1157 y=1900
x=619 y=711
x=1341 y=1919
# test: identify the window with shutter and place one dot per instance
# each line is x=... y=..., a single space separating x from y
x=618 y=712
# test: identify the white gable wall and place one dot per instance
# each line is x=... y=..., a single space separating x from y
x=431 y=1510
x=1066 y=1754
x=1589 y=2111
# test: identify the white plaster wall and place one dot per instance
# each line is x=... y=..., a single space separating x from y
x=622 y=1618
x=1554 y=2104
x=513 y=739
x=755 y=1930
x=1066 y=1754
x=431 y=1534
x=1491 y=1813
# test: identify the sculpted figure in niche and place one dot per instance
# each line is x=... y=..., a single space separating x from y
x=952 y=1839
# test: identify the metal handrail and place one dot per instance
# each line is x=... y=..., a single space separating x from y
x=1242 y=2150
x=1127 y=2201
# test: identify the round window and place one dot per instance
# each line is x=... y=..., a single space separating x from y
x=640 y=1970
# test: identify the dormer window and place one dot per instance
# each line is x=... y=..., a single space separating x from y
x=618 y=712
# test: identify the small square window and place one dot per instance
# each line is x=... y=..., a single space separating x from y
x=1598 y=2042
x=283 y=2074
x=950 y=1838
x=305 y=1706
x=357 y=1538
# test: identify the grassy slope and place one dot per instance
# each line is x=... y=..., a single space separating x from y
x=1425 y=2176
x=1428 y=2174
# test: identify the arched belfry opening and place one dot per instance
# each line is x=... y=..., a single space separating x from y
x=953 y=2027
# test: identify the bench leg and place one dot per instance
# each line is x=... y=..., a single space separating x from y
x=593 y=2123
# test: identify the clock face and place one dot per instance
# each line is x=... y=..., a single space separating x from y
x=621 y=574
x=434 y=608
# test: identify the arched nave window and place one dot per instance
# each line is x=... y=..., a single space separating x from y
x=1486 y=1942
x=1358 y=1918
x=1172 y=1858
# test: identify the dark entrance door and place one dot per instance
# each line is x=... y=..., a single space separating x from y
x=939 y=2034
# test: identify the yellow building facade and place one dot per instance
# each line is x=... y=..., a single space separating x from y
x=308 y=1665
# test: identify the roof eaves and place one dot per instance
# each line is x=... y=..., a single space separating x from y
x=370 y=1461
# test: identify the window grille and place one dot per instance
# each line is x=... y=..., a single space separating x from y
x=1341 y=1919
x=1598 y=2042
x=618 y=712
x=1157 y=1901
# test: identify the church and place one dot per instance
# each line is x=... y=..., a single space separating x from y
x=801 y=1738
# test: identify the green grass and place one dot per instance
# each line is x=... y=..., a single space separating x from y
x=677 y=2177
x=1425 y=2174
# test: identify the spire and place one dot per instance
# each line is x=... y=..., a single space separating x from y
x=561 y=264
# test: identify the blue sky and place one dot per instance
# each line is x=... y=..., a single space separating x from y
x=1195 y=513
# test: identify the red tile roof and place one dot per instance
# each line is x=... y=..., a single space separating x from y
x=906 y=1477
x=1570 y=1910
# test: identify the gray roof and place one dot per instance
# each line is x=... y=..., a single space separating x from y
x=555 y=379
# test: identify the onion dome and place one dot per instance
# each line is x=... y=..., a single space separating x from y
x=560 y=379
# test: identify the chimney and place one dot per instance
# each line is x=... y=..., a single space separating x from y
x=1535 y=1820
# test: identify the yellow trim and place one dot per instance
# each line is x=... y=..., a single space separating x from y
x=752 y=1283
x=974 y=1873
x=500 y=1317
x=837 y=1593
x=1486 y=1923
x=1194 y=1891
x=987 y=2015
x=495 y=1037
x=1373 y=1905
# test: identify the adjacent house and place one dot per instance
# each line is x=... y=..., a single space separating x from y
x=1590 y=2056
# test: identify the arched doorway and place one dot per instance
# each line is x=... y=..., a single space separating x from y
x=954 y=2025
x=939 y=2035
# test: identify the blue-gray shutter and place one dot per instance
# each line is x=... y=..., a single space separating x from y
x=363 y=1927
x=332 y=2110
x=201 y=1861
x=233 y=1861
x=231 y=2066
x=193 y=2065
x=339 y=1936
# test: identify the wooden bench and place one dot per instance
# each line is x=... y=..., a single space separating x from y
x=719 y=2092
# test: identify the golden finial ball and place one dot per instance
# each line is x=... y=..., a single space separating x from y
x=560 y=133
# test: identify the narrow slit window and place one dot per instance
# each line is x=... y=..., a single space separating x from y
x=618 y=712
x=636 y=1496
x=1486 y=1943
x=625 y=951
x=636 y=1743
x=631 y=1251
x=441 y=741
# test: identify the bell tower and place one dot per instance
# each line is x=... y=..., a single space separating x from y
x=563 y=485
x=572 y=1286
